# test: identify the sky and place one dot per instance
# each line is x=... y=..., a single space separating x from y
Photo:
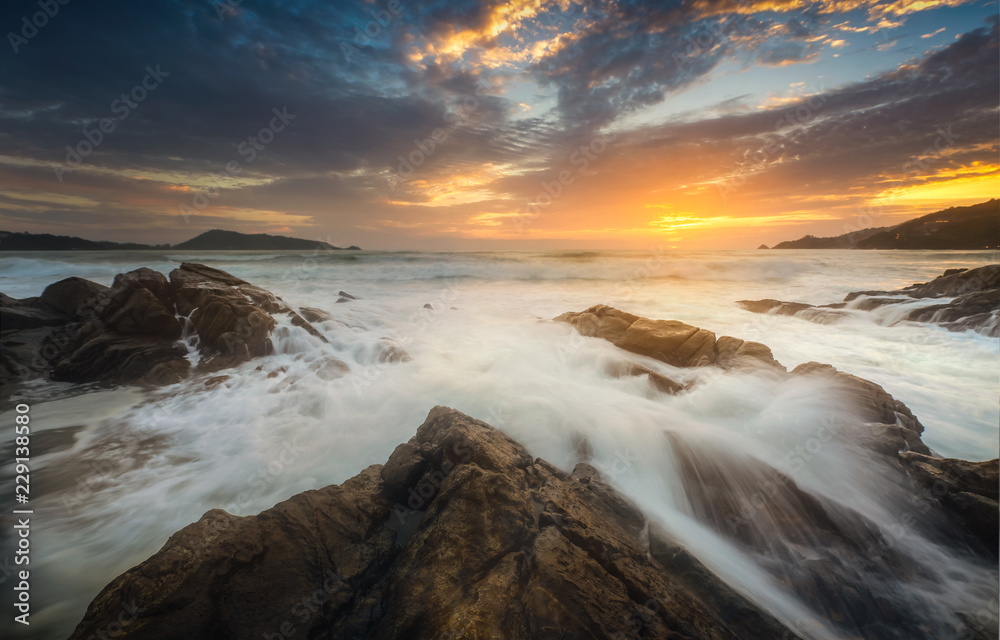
x=475 y=125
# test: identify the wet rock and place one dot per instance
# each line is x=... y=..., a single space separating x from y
x=17 y=315
x=661 y=383
x=74 y=297
x=873 y=403
x=393 y=352
x=975 y=304
x=313 y=314
x=79 y=331
x=461 y=534
x=967 y=489
x=675 y=343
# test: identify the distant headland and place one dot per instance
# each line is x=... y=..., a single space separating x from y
x=963 y=228
x=214 y=240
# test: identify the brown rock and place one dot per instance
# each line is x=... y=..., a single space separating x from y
x=967 y=489
x=460 y=535
x=74 y=296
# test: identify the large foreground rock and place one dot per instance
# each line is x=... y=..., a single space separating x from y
x=461 y=534
x=972 y=302
x=80 y=331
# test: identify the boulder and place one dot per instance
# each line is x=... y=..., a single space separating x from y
x=675 y=343
x=966 y=489
x=79 y=331
x=74 y=296
x=312 y=314
x=461 y=534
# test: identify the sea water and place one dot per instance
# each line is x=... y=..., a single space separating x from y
x=115 y=472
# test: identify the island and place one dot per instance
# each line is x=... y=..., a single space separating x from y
x=214 y=240
x=962 y=228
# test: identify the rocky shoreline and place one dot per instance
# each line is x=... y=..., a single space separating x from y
x=462 y=533
x=970 y=301
x=130 y=333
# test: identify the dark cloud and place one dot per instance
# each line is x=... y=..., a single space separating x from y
x=360 y=102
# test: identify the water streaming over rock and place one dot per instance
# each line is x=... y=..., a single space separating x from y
x=119 y=470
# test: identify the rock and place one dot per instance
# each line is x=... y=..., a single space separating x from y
x=673 y=342
x=975 y=304
x=769 y=305
x=873 y=403
x=957 y=282
x=967 y=489
x=17 y=315
x=763 y=246
x=74 y=297
x=392 y=351
x=61 y=302
x=138 y=305
x=233 y=318
x=669 y=341
x=79 y=331
x=344 y=294
x=660 y=382
x=313 y=314
x=429 y=306
x=461 y=534
x=600 y=321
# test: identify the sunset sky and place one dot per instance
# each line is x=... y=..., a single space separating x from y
x=490 y=125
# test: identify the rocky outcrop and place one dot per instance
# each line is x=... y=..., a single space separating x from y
x=885 y=426
x=972 y=301
x=809 y=542
x=669 y=341
x=461 y=534
x=80 y=331
x=966 y=489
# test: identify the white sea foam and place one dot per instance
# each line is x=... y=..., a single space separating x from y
x=141 y=464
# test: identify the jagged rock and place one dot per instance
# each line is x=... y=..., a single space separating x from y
x=976 y=303
x=967 y=489
x=675 y=343
x=80 y=331
x=60 y=303
x=874 y=405
x=770 y=305
x=459 y=535
x=887 y=425
x=660 y=382
x=17 y=315
x=313 y=314
x=74 y=296
x=140 y=304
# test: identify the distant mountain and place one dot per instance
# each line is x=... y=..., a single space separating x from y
x=219 y=240
x=48 y=242
x=973 y=227
x=215 y=240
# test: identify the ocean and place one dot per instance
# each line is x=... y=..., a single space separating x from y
x=117 y=471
